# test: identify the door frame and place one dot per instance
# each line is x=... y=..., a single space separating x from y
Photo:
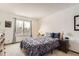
x=14 y=30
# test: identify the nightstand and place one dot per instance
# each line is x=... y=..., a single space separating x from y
x=64 y=45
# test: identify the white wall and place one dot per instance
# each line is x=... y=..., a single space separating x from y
x=63 y=21
x=9 y=31
x=35 y=27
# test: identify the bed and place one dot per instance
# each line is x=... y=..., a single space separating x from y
x=39 y=46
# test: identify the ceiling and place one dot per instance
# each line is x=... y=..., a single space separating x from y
x=35 y=10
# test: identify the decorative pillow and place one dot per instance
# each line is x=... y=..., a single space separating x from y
x=48 y=34
x=55 y=35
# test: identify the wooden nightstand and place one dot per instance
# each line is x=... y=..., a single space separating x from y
x=64 y=45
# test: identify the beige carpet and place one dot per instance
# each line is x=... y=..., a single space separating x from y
x=14 y=50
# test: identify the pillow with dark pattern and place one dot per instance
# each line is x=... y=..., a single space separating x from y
x=55 y=35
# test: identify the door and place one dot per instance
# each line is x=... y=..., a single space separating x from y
x=23 y=29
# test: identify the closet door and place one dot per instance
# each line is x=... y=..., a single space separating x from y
x=9 y=31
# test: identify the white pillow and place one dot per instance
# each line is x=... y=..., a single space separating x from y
x=47 y=34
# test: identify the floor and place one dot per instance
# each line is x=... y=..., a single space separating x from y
x=14 y=50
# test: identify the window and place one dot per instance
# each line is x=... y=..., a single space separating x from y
x=19 y=27
x=27 y=28
x=23 y=27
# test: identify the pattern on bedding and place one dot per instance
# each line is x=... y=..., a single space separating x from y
x=39 y=46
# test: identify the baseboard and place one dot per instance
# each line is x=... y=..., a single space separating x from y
x=74 y=51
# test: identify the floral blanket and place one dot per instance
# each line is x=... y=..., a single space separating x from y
x=39 y=46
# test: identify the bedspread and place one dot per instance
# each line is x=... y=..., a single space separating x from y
x=39 y=46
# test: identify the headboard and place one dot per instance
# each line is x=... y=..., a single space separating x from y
x=61 y=36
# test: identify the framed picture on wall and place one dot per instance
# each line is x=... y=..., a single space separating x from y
x=76 y=23
x=8 y=24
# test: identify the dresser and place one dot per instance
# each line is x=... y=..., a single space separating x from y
x=2 y=45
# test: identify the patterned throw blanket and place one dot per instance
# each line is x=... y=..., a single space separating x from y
x=39 y=46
